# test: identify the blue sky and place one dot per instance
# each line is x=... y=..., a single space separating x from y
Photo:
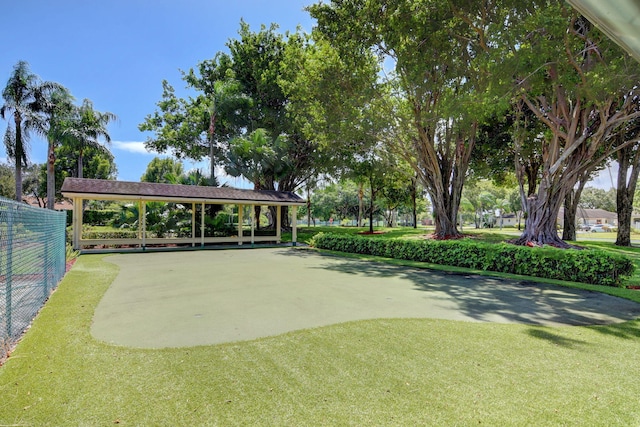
x=117 y=53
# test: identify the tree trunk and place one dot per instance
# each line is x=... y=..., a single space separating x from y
x=19 y=181
x=542 y=214
x=571 y=201
x=445 y=221
x=625 y=193
x=212 y=131
x=414 y=203
x=308 y=208
x=51 y=176
x=569 y=216
x=373 y=196
x=360 y=203
x=625 y=209
x=19 y=155
x=80 y=164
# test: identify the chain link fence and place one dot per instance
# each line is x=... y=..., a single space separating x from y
x=32 y=262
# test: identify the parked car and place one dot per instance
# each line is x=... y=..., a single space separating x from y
x=598 y=228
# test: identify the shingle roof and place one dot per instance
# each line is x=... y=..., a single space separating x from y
x=591 y=214
x=59 y=205
x=153 y=191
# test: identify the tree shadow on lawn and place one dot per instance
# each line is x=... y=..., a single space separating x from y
x=489 y=299
x=554 y=337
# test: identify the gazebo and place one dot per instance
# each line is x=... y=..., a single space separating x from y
x=82 y=189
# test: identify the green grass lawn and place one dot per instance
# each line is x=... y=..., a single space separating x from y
x=380 y=372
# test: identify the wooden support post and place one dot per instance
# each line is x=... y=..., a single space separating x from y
x=202 y=225
x=193 y=224
x=278 y=223
x=143 y=214
x=294 y=225
x=253 y=224
x=77 y=223
x=240 y=220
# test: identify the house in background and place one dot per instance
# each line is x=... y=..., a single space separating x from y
x=586 y=217
x=509 y=220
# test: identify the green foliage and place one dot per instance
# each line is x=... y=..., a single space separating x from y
x=114 y=234
x=98 y=217
x=7 y=182
x=259 y=157
x=586 y=266
x=26 y=99
x=84 y=130
x=238 y=93
x=70 y=253
x=98 y=163
x=597 y=198
x=160 y=170
x=178 y=125
x=221 y=225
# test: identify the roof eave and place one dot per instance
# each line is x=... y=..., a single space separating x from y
x=138 y=197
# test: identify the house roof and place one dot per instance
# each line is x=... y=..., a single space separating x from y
x=591 y=214
x=124 y=190
x=596 y=213
x=59 y=205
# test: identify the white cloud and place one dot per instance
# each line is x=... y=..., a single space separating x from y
x=136 y=147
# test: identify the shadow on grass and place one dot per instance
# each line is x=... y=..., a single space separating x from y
x=555 y=338
x=628 y=330
x=489 y=299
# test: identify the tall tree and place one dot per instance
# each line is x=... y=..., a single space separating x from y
x=263 y=63
x=440 y=51
x=58 y=108
x=240 y=92
x=86 y=129
x=582 y=87
x=98 y=164
x=24 y=96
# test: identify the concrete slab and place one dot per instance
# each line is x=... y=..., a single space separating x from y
x=176 y=299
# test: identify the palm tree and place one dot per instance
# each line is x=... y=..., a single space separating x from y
x=86 y=129
x=24 y=99
x=58 y=108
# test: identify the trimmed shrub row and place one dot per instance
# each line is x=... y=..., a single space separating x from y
x=586 y=266
x=124 y=234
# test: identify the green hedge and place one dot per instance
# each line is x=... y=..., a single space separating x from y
x=586 y=266
x=125 y=234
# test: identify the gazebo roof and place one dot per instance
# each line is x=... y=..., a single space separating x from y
x=124 y=190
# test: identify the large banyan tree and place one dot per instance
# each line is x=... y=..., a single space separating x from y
x=583 y=88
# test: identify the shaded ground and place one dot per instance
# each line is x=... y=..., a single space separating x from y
x=207 y=297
